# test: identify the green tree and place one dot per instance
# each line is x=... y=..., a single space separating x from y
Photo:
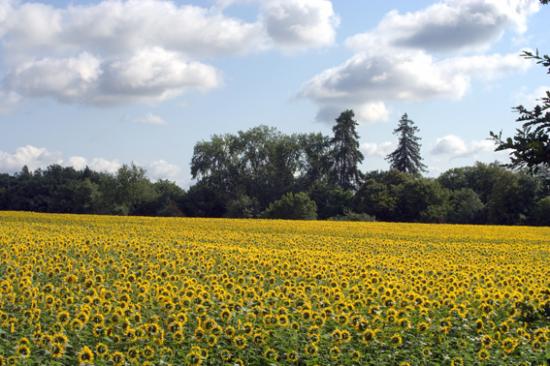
x=331 y=200
x=345 y=153
x=465 y=207
x=376 y=199
x=541 y=213
x=292 y=206
x=530 y=146
x=135 y=194
x=421 y=199
x=406 y=157
x=315 y=159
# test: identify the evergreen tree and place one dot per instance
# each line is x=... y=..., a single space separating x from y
x=345 y=152
x=406 y=158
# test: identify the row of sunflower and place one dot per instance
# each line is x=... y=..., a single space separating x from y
x=96 y=290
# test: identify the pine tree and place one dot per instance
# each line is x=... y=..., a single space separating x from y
x=345 y=152
x=406 y=158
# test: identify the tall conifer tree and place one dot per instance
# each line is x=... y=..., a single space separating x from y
x=406 y=157
x=345 y=152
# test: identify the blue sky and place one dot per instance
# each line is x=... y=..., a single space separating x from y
x=105 y=83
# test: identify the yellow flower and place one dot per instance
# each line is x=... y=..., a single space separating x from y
x=396 y=340
x=240 y=342
x=118 y=358
x=483 y=354
x=23 y=351
x=85 y=356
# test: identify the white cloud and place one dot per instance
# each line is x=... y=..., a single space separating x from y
x=104 y=165
x=96 y=164
x=372 y=112
x=66 y=79
x=401 y=60
x=380 y=150
x=39 y=157
x=31 y=156
x=161 y=169
x=151 y=119
x=118 y=26
x=448 y=25
x=298 y=24
x=126 y=51
x=454 y=147
x=8 y=101
x=77 y=162
x=532 y=98
x=449 y=145
x=366 y=80
x=149 y=75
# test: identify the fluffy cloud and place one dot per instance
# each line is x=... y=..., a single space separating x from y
x=118 y=26
x=96 y=164
x=38 y=157
x=150 y=75
x=532 y=98
x=150 y=119
x=8 y=100
x=297 y=24
x=31 y=156
x=162 y=169
x=455 y=147
x=448 y=25
x=396 y=60
x=365 y=79
x=123 y=51
x=372 y=112
x=380 y=150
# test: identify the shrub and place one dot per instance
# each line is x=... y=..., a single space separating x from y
x=292 y=206
x=353 y=216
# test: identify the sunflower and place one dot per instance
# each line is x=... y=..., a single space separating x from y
x=60 y=338
x=229 y=331
x=483 y=354
x=57 y=351
x=509 y=345
x=240 y=342
x=101 y=350
x=336 y=335
x=457 y=361
x=148 y=352
x=396 y=340
x=345 y=336
x=133 y=354
x=225 y=355
x=334 y=353
x=311 y=349
x=85 y=356
x=199 y=333
x=118 y=358
x=63 y=317
x=271 y=354
x=23 y=351
x=193 y=358
x=486 y=341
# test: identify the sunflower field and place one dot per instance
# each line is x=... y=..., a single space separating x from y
x=101 y=290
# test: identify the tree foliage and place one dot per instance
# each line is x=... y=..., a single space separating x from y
x=346 y=155
x=406 y=157
x=530 y=146
x=292 y=206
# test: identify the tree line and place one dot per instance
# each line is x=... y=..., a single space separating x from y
x=264 y=173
